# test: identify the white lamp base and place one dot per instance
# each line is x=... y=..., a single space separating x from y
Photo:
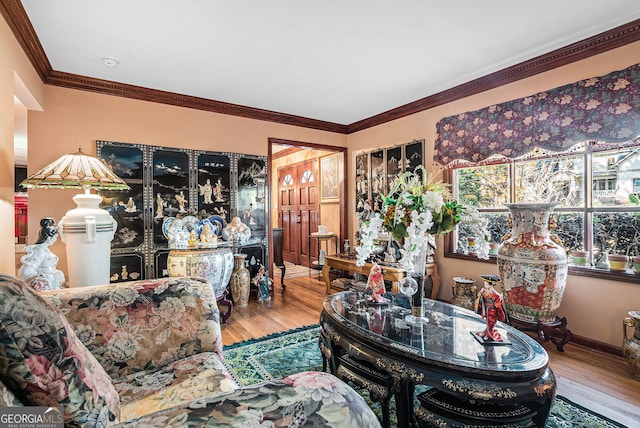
x=87 y=231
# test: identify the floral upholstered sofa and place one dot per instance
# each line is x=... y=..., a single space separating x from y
x=148 y=353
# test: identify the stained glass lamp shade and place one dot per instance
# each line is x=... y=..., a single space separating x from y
x=76 y=170
x=86 y=230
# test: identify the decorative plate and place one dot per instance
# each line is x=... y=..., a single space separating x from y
x=218 y=221
x=190 y=222
x=165 y=225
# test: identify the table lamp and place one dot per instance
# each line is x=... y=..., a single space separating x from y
x=87 y=230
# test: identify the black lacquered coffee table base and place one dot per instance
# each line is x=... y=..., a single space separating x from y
x=443 y=410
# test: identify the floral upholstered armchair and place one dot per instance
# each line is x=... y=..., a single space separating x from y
x=147 y=353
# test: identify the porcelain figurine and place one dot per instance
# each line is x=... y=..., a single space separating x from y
x=236 y=230
x=376 y=283
x=208 y=238
x=489 y=305
x=39 y=264
x=193 y=238
x=263 y=282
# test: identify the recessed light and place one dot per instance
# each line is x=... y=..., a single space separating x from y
x=110 y=62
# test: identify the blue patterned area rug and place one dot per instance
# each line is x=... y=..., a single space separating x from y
x=280 y=354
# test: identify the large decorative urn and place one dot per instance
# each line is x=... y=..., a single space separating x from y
x=88 y=230
x=214 y=264
x=631 y=345
x=533 y=267
x=240 y=282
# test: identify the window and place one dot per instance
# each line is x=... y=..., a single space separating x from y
x=594 y=185
x=307 y=177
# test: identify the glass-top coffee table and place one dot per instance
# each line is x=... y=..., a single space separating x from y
x=471 y=383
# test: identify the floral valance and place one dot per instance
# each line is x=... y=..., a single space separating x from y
x=603 y=108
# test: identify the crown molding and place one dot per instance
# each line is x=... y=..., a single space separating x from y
x=84 y=83
x=18 y=21
x=608 y=40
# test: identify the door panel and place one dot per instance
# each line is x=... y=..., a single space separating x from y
x=287 y=217
x=308 y=209
x=298 y=211
x=304 y=238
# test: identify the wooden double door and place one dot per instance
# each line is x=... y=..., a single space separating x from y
x=298 y=210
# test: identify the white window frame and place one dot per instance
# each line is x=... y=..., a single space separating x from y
x=587 y=210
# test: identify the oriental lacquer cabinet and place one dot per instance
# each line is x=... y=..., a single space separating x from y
x=376 y=172
x=167 y=182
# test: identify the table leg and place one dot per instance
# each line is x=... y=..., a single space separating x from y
x=540 y=419
x=224 y=301
x=404 y=405
x=395 y=286
x=325 y=276
x=283 y=270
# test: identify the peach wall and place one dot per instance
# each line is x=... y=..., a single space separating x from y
x=73 y=119
x=584 y=301
x=17 y=78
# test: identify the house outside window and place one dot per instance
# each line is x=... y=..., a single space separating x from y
x=594 y=185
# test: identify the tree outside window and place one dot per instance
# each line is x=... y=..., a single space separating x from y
x=598 y=207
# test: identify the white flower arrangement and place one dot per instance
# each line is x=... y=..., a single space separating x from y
x=476 y=225
x=417 y=206
x=368 y=232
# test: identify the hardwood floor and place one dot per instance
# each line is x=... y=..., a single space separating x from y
x=595 y=380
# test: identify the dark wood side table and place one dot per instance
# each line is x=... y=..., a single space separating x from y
x=277 y=252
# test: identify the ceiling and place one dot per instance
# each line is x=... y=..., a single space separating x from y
x=330 y=60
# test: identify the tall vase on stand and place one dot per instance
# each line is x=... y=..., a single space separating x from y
x=240 y=281
x=412 y=284
x=631 y=345
x=533 y=267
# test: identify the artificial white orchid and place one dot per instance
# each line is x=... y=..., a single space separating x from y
x=417 y=206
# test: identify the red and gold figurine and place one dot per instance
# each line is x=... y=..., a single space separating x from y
x=376 y=283
x=489 y=305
